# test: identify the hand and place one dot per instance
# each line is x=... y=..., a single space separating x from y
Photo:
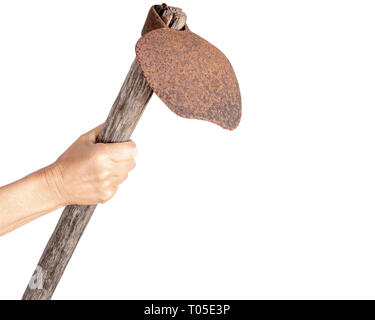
x=89 y=172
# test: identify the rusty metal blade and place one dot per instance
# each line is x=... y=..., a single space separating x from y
x=191 y=76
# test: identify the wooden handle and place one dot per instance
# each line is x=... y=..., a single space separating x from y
x=121 y=122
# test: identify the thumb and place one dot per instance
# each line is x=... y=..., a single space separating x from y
x=93 y=134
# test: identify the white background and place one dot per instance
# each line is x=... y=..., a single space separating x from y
x=282 y=207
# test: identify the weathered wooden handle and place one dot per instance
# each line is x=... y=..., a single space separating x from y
x=123 y=117
x=122 y=120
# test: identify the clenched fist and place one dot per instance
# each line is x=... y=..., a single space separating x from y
x=89 y=172
x=86 y=173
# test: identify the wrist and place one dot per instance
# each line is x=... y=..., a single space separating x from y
x=51 y=180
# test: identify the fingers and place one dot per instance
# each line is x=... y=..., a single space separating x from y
x=116 y=151
x=107 y=194
x=91 y=172
x=119 y=152
x=122 y=170
x=109 y=186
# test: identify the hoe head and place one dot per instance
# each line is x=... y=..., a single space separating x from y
x=190 y=75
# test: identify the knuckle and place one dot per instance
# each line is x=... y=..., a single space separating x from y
x=102 y=190
x=99 y=162
x=102 y=175
x=104 y=185
x=103 y=198
x=106 y=195
x=99 y=157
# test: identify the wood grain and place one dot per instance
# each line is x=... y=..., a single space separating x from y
x=122 y=120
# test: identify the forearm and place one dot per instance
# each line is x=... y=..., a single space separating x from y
x=26 y=200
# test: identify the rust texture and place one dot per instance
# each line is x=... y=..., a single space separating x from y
x=154 y=20
x=191 y=76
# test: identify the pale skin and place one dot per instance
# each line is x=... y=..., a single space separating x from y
x=86 y=173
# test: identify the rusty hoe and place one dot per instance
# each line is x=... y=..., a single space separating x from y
x=191 y=76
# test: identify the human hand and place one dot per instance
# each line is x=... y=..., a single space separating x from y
x=89 y=172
